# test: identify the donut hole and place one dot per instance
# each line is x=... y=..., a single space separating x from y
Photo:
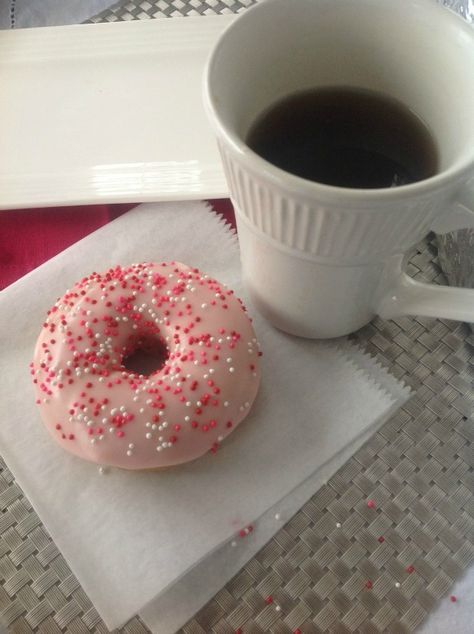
x=146 y=357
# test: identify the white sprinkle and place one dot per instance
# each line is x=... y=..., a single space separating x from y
x=338 y=525
x=277 y=516
x=141 y=410
x=211 y=370
x=131 y=445
x=226 y=403
x=278 y=608
x=102 y=470
x=164 y=424
x=229 y=359
x=233 y=544
x=188 y=403
x=220 y=438
x=154 y=427
x=129 y=452
x=92 y=441
x=159 y=448
x=247 y=404
x=187 y=419
x=231 y=370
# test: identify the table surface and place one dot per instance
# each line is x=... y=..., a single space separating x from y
x=419 y=465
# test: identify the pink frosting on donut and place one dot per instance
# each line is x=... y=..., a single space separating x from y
x=97 y=409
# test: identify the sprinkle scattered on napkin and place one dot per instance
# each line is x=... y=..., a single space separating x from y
x=128 y=537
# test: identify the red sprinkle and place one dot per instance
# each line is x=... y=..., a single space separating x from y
x=453 y=599
x=58 y=426
x=381 y=539
x=410 y=569
x=368 y=584
x=269 y=600
x=371 y=504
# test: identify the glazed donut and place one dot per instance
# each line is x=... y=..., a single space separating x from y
x=104 y=412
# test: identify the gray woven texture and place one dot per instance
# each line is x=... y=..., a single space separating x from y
x=146 y=9
x=418 y=469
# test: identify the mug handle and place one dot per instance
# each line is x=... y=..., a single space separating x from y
x=406 y=296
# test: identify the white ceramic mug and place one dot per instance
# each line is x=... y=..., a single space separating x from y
x=321 y=261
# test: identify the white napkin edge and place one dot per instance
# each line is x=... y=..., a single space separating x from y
x=350 y=353
x=160 y=614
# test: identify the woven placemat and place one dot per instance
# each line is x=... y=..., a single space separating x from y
x=146 y=9
x=418 y=470
x=338 y=565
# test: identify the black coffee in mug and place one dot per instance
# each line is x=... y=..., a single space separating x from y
x=345 y=137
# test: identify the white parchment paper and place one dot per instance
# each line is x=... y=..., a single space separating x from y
x=127 y=536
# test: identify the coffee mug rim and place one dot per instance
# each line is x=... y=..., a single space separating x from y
x=461 y=171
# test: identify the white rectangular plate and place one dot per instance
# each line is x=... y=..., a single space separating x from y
x=107 y=113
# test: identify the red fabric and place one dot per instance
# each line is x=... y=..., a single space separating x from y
x=29 y=237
